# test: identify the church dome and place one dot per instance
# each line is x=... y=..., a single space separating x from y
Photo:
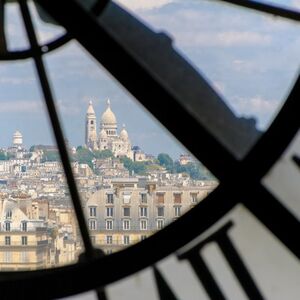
x=90 y=110
x=18 y=134
x=102 y=134
x=17 y=138
x=124 y=133
x=108 y=116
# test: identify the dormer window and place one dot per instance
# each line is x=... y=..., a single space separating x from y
x=143 y=197
x=7 y=226
x=8 y=214
x=24 y=226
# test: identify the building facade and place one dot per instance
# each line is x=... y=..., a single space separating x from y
x=130 y=210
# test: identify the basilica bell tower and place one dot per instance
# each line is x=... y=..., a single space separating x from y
x=90 y=128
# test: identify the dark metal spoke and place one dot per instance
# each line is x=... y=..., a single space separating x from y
x=49 y=101
x=2 y=28
x=43 y=49
x=275 y=140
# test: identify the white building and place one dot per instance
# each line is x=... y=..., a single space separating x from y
x=108 y=137
x=17 y=139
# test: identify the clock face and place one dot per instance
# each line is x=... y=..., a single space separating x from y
x=239 y=239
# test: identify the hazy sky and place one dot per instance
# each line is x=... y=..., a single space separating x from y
x=251 y=59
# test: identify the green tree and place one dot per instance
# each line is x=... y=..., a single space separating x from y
x=3 y=156
x=128 y=163
x=50 y=156
x=84 y=156
x=139 y=168
x=103 y=154
x=194 y=169
x=166 y=161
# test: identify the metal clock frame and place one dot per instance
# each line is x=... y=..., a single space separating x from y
x=95 y=270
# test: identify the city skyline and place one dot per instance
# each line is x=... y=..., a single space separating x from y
x=119 y=124
x=226 y=51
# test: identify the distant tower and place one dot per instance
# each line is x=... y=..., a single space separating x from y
x=17 y=139
x=90 y=128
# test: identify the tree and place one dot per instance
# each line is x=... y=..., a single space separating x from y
x=194 y=169
x=84 y=156
x=139 y=168
x=103 y=154
x=166 y=161
x=128 y=163
x=3 y=156
x=50 y=156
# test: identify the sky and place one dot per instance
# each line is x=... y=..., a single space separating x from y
x=250 y=59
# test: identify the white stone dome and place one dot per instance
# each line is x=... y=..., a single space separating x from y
x=18 y=134
x=17 y=138
x=124 y=133
x=108 y=117
x=102 y=134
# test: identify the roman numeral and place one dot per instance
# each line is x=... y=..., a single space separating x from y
x=196 y=260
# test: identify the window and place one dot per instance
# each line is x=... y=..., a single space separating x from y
x=143 y=211
x=24 y=240
x=160 y=211
x=143 y=197
x=177 y=198
x=7 y=240
x=92 y=122
x=92 y=211
x=177 y=211
x=126 y=240
x=7 y=226
x=109 y=211
x=143 y=224
x=92 y=224
x=109 y=224
x=160 y=198
x=8 y=214
x=110 y=198
x=24 y=226
x=109 y=251
x=194 y=197
x=126 y=224
x=109 y=239
x=160 y=224
x=126 y=212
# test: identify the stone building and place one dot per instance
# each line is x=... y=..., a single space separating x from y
x=133 y=209
x=24 y=242
x=108 y=137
